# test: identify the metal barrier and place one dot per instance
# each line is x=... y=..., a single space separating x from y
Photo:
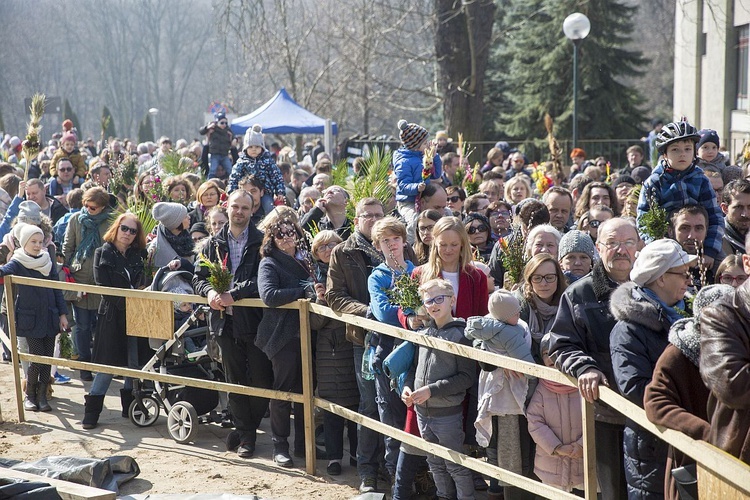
x=718 y=471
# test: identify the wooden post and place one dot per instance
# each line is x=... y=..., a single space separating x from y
x=11 y=302
x=589 y=450
x=305 y=338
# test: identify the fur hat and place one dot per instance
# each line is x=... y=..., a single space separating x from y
x=708 y=135
x=411 y=134
x=576 y=241
x=25 y=232
x=254 y=137
x=503 y=305
x=656 y=259
x=30 y=212
x=69 y=136
x=169 y=214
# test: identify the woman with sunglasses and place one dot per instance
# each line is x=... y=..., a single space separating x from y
x=84 y=234
x=426 y=221
x=285 y=274
x=480 y=236
x=118 y=263
x=499 y=214
x=590 y=221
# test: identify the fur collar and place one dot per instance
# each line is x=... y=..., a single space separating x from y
x=630 y=304
x=684 y=335
x=602 y=283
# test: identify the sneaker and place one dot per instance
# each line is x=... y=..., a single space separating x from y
x=479 y=483
x=334 y=469
x=369 y=485
x=61 y=379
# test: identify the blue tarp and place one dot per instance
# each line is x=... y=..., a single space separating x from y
x=282 y=115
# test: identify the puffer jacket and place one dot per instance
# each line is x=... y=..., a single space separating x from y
x=637 y=341
x=724 y=368
x=407 y=165
x=264 y=168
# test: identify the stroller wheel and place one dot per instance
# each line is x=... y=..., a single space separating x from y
x=146 y=414
x=182 y=422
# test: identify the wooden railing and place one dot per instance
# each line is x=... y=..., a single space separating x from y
x=719 y=473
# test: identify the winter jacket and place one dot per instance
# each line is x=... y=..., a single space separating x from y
x=75 y=158
x=382 y=279
x=263 y=168
x=676 y=397
x=115 y=270
x=55 y=188
x=733 y=242
x=219 y=139
x=579 y=338
x=38 y=309
x=672 y=190
x=554 y=416
x=245 y=319
x=447 y=375
x=407 y=165
x=636 y=342
x=725 y=369
x=10 y=214
x=317 y=218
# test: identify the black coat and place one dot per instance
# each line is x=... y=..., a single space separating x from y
x=113 y=269
x=245 y=319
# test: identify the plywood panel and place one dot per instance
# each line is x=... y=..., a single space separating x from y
x=150 y=318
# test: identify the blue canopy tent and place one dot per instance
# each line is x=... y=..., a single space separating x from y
x=282 y=115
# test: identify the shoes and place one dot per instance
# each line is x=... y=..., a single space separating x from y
x=61 y=379
x=86 y=376
x=479 y=483
x=282 y=459
x=233 y=441
x=352 y=461
x=334 y=469
x=246 y=450
x=495 y=496
x=369 y=485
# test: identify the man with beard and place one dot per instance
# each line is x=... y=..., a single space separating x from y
x=689 y=227
x=580 y=344
x=735 y=204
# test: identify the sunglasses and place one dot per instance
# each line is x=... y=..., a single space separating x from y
x=595 y=223
x=128 y=229
x=280 y=235
x=222 y=123
x=93 y=208
x=65 y=169
x=477 y=229
x=436 y=300
x=454 y=199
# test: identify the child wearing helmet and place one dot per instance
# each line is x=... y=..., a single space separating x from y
x=678 y=181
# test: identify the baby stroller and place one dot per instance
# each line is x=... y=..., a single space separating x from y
x=186 y=407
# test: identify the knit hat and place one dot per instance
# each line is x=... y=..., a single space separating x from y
x=503 y=305
x=29 y=211
x=254 y=136
x=576 y=241
x=199 y=227
x=640 y=174
x=708 y=295
x=476 y=216
x=656 y=259
x=411 y=134
x=67 y=125
x=69 y=136
x=220 y=115
x=25 y=233
x=707 y=135
x=626 y=179
x=169 y=214
x=504 y=147
x=577 y=152
x=14 y=142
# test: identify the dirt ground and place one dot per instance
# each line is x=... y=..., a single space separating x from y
x=203 y=466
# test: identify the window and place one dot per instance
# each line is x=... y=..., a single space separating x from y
x=743 y=41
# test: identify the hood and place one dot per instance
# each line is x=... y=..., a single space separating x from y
x=402 y=152
x=457 y=323
x=629 y=304
x=486 y=327
x=684 y=335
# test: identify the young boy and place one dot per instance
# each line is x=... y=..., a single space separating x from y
x=440 y=381
x=678 y=181
x=69 y=149
x=408 y=166
x=257 y=161
x=709 y=157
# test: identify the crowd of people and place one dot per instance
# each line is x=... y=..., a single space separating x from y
x=568 y=270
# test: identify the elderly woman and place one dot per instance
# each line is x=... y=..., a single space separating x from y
x=207 y=197
x=516 y=189
x=285 y=274
x=646 y=307
x=543 y=238
x=178 y=189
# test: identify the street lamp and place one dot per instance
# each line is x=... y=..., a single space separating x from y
x=153 y=112
x=576 y=27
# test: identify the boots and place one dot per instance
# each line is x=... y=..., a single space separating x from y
x=31 y=403
x=126 y=397
x=92 y=410
x=41 y=394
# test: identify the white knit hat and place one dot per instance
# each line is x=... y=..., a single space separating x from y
x=254 y=137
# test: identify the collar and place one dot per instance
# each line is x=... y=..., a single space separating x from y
x=242 y=237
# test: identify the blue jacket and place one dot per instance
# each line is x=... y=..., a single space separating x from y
x=10 y=214
x=673 y=189
x=33 y=301
x=407 y=164
x=264 y=168
x=380 y=280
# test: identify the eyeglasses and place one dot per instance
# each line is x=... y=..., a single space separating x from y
x=92 y=208
x=595 y=223
x=280 y=235
x=128 y=229
x=425 y=229
x=611 y=245
x=549 y=278
x=367 y=216
x=685 y=274
x=65 y=169
x=728 y=279
x=329 y=246
x=477 y=229
x=454 y=199
x=436 y=300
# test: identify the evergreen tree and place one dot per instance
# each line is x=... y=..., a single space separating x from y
x=532 y=72
x=109 y=130
x=68 y=114
x=146 y=129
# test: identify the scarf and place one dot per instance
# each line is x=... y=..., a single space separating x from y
x=90 y=237
x=541 y=316
x=182 y=243
x=557 y=388
x=42 y=263
x=669 y=311
x=735 y=239
x=376 y=258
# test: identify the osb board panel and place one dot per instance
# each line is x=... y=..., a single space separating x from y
x=150 y=318
x=711 y=487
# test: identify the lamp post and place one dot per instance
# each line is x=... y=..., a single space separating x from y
x=153 y=112
x=576 y=27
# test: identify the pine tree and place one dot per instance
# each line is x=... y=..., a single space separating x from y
x=146 y=129
x=68 y=114
x=532 y=72
x=109 y=130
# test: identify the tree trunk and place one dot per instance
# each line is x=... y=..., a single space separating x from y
x=462 y=41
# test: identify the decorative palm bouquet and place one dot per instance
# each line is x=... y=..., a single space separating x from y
x=542 y=182
x=405 y=293
x=471 y=182
x=219 y=275
x=512 y=256
x=31 y=143
x=655 y=222
x=123 y=174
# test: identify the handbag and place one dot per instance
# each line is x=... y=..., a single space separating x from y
x=398 y=362
x=686 y=478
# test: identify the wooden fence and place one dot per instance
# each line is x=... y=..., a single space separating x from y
x=719 y=473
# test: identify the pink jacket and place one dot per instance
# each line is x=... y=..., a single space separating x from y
x=554 y=416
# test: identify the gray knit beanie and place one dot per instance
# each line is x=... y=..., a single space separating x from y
x=169 y=214
x=29 y=211
x=576 y=241
x=254 y=137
